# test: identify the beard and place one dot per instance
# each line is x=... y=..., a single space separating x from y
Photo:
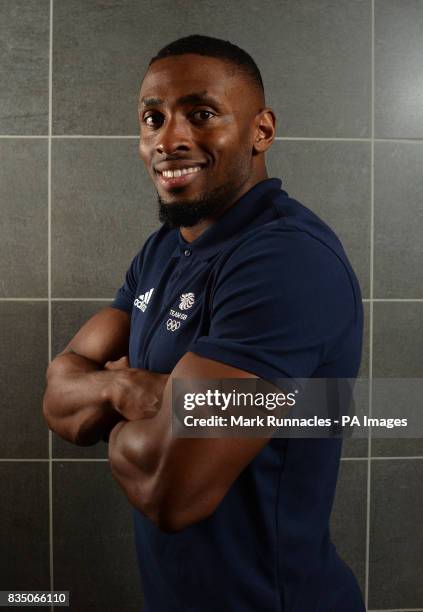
x=187 y=213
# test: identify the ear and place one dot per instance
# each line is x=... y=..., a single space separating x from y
x=265 y=122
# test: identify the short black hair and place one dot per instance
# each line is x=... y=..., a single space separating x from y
x=214 y=47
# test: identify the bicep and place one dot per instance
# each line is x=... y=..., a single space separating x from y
x=104 y=337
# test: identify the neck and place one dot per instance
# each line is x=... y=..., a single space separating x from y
x=192 y=233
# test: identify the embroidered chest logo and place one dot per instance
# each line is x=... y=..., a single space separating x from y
x=172 y=325
x=141 y=301
x=187 y=300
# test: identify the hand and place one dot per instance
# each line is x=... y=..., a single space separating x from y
x=120 y=364
x=135 y=393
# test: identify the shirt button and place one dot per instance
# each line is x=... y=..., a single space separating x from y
x=187 y=252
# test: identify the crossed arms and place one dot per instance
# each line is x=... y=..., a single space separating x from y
x=92 y=394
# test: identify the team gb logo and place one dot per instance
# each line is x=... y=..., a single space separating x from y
x=187 y=300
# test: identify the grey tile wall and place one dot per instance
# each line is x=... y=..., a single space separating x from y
x=23 y=361
x=397 y=346
x=398 y=220
x=24 y=526
x=60 y=254
x=317 y=79
x=103 y=209
x=24 y=44
x=94 y=550
x=396 y=543
x=398 y=74
x=23 y=196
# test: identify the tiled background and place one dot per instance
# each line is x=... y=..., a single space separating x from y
x=345 y=79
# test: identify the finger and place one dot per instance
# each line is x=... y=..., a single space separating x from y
x=120 y=364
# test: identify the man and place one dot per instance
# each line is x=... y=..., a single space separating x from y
x=267 y=290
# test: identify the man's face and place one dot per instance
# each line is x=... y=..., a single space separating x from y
x=197 y=120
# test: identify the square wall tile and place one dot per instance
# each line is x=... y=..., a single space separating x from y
x=94 y=547
x=348 y=519
x=23 y=362
x=333 y=180
x=24 y=43
x=315 y=60
x=104 y=207
x=101 y=50
x=398 y=223
x=23 y=234
x=397 y=353
x=314 y=56
x=396 y=537
x=24 y=527
x=398 y=69
x=67 y=319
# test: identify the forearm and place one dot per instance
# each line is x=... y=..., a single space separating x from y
x=136 y=452
x=74 y=405
x=134 y=458
x=83 y=402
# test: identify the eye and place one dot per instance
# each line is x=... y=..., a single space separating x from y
x=203 y=112
x=155 y=117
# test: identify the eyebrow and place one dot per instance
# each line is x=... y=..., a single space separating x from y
x=191 y=98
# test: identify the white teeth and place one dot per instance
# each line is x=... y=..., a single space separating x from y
x=176 y=173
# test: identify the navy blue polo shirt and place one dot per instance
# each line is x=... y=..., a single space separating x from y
x=268 y=289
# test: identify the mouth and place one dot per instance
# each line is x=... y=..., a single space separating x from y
x=179 y=177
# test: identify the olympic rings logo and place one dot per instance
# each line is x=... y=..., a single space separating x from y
x=173 y=325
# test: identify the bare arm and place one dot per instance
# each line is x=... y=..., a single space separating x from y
x=177 y=482
x=74 y=405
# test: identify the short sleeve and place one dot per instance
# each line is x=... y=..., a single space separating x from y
x=125 y=295
x=280 y=303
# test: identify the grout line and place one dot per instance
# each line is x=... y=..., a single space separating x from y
x=382 y=458
x=100 y=136
x=52 y=299
x=29 y=136
x=110 y=299
x=395 y=458
x=397 y=300
x=326 y=139
x=372 y=186
x=55 y=459
x=136 y=137
x=93 y=459
x=408 y=140
x=59 y=299
x=3 y=460
x=61 y=459
x=50 y=437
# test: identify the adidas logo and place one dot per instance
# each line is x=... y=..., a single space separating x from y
x=141 y=302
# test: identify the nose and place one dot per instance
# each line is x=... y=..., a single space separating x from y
x=175 y=135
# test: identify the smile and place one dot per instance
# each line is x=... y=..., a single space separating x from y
x=178 y=177
x=180 y=171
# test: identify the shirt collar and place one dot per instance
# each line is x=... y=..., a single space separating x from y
x=247 y=211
